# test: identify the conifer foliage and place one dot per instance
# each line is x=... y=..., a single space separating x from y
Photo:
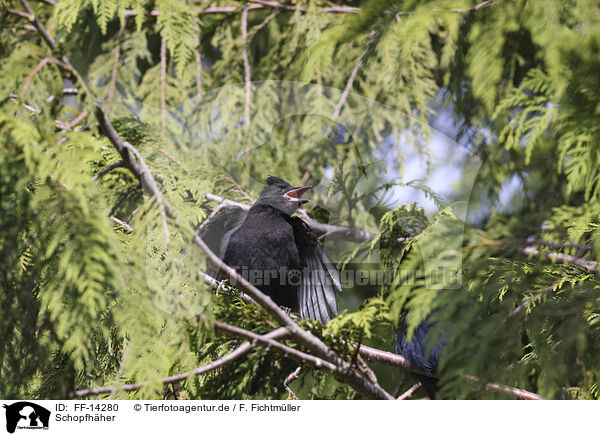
x=124 y=125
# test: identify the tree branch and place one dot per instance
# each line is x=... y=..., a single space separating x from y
x=560 y=258
x=234 y=355
x=163 y=82
x=113 y=78
x=122 y=224
x=247 y=77
x=198 y=74
x=105 y=170
x=78 y=119
x=290 y=378
x=350 y=82
x=272 y=344
x=36 y=70
x=138 y=168
x=410 y=391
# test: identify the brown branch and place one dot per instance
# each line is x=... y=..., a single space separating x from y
x=520 y=394
x=385 y=357
x=400 y=383
x=555 y=245
x=234 y=355
x=163 y=82
x=19 y=13
x=168 y=156
x=274 y=4
x=78 y=119
x=560 y=258
x=274 y=345
x=198 y=74
x=247 y=73
x=139 y=168
x=529 y=302
x=209 y=10
x=375 y=355
x=410 y=391
x=266 y=21
x=36 y=70
x=108 y=168
x=350 y=82
x=113 y=78
x=122 y=224
x=41 y=29
x=290 y=378
x=482 y=5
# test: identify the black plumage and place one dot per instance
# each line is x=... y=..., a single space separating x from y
x=277 y=252
x=421 y=355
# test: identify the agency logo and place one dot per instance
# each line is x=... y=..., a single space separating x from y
x=26 y=415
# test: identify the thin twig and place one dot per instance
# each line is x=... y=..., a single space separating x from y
x=274 y=4
x=290 y=378
x=247 y=73
x=169 y=156
x=198 y=64
x=561 y=258
x=163 y=82
x=113 y=78
x=266 y=21
x=139 y=168
x=122 y=365
x=399 y=384
x=350 y=82
x=36 y=70
x=555 y=245
x=40 y=27
x=410 y=391
x=234 y=355
x=108 y=168
x=274 y=345
x=122 y=198
x=122 y=224
x=78 y=119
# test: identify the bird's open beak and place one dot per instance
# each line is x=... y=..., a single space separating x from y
x=294 y=195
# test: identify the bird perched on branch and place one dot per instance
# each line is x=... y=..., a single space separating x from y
x=277 y=252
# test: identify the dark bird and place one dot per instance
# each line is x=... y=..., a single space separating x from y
x=420 y=354
x=277 y=252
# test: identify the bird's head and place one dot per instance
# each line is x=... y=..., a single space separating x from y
x=281 y=195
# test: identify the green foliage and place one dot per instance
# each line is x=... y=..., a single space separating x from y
x=87 y=302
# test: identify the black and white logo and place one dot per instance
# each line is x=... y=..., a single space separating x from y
x=26 y=415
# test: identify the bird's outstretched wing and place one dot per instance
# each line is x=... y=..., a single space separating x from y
x=320 y=278
x=217 y=231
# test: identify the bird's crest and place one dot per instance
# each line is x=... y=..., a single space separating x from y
x=276 y=181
